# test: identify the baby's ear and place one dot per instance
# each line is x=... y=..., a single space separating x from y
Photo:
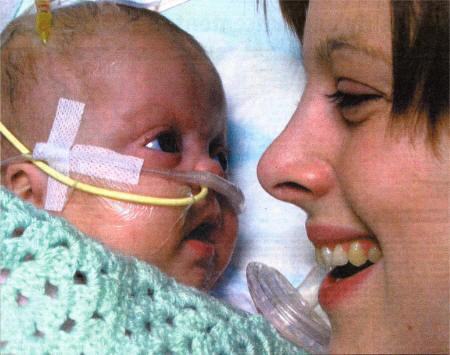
x=27 y=182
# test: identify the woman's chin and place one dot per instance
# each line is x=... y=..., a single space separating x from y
x=358 y=324
x=342 y=295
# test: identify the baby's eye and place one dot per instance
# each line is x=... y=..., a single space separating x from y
x=166 y=142
x=222 y=158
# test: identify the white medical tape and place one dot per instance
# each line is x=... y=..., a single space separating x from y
x=88 y=160
x=61 y=138
x=105 y=164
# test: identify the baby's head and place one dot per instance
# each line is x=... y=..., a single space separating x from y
x=149 y=91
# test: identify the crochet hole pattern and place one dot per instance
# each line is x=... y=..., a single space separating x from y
x=150 y=293
x=38 y=333
x=169 y=321
x=4 y=273
x=28 y=257
x=51 y=290
x=148 y=326
x=62 y=243
x=68 y=325
x=189 y=345
x=242 y=348
x=21 y=300
x=193 y=308
x=97 y=316
x=18 y=232
x=79 y=278
x=128 y=333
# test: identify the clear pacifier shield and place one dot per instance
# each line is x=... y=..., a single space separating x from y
x=284 y=307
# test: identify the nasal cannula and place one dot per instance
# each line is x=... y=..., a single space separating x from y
x=204 y=179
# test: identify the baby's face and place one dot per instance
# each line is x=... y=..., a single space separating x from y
x=162 y=105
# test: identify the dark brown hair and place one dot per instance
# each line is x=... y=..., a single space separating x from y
x=420 y=42
x=421 y=60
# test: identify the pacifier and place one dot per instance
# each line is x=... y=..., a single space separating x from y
x=293 y=311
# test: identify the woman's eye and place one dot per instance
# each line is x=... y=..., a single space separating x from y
x=345 y=100
x=166 y=142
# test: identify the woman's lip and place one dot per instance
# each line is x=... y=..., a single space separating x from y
x=320 y=234
x=333 y=293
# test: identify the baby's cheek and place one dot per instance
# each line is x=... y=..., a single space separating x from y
x=227 y=239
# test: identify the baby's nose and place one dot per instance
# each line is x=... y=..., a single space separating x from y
x=212 y=165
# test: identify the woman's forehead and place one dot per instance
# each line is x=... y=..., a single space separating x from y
x=359 y=25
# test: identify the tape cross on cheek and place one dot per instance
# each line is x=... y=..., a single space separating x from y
x=105 y=164
x=83 y=159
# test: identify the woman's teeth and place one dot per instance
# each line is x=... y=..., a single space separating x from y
x=355 y=255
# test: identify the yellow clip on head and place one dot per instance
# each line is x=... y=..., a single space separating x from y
x=44 y=24
x=43 y=19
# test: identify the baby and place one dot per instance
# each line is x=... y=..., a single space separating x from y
x=128 y=84
x=118 y=98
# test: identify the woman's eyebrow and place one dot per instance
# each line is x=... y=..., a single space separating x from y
x=324 y=50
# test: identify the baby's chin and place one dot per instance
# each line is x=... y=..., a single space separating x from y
x=198 y=276
x=195 y=263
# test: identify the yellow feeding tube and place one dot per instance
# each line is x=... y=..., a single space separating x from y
x=43 y=19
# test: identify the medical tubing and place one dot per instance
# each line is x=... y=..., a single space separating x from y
x=21 y=157
x=116 y=195
x=210 y=180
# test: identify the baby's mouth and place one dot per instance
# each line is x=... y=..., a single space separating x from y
x=349 y=258
x=201 y=233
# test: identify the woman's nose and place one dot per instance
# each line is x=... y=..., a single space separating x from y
x=297 y=167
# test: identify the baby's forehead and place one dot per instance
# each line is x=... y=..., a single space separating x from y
x=148 y=73
x=136 y=48
x=92 y=61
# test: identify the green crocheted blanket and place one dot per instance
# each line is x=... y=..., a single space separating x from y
x=63 y=293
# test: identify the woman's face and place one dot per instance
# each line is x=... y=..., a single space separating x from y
x=367 y=187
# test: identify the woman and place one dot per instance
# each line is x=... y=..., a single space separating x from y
x=366 y=156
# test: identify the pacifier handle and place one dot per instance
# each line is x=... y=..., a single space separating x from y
x=309 y=287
